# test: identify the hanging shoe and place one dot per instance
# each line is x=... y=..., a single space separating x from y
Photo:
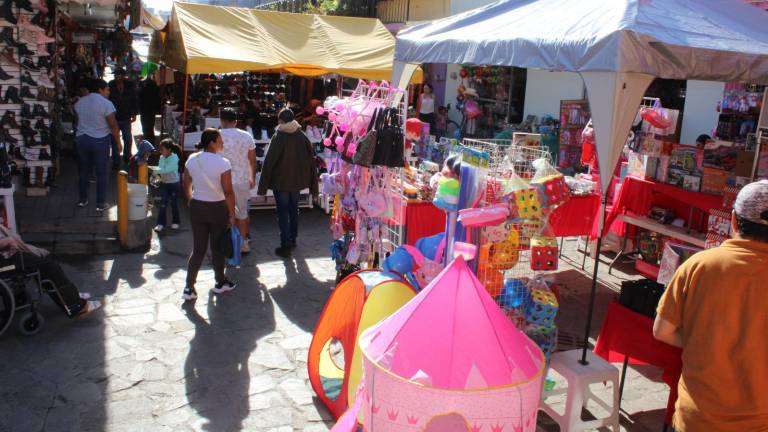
x=23 y=50
x=18 y=155
x=6 y=35
x=45 y=95
x=6 y=12
x=9 y=56
x=44 y=155
x=12 y=95
x=28 y=64
x=40 y=124
x=44 y=81
x=26 y=111
x=24 y=4
x=9 y=119
x=39 y=111
x=26 y=92
x=26 y=78
x=44 y=137
x=26 y=23
x=26 y=130
x=43 y=63
x=41 y=38
x=4 y=76
x=10 y=138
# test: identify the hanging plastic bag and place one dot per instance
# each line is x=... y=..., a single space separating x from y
x=237 y=244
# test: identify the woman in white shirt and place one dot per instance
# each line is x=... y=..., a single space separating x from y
x=427 y=107
x=208 y=187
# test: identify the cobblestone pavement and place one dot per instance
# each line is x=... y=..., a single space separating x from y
x=226 y=363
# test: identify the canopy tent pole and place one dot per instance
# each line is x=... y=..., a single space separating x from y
x=184 y=112
x=614 y=98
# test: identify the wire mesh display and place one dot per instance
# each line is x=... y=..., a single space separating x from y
x=514 y=256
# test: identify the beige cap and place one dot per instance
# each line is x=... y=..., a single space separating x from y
x=752 y=202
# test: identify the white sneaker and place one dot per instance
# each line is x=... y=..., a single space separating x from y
x=174 y=226
x=159 y=228
x=223 y=287
x=189 y=294
x=246 y=246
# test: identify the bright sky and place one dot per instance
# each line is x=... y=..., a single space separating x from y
x=160 y=5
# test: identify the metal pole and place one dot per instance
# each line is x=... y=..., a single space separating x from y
x=593 y=291
x=184 y=111
x=122 y=207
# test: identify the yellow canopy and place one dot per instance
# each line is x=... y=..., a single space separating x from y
x=219 y=39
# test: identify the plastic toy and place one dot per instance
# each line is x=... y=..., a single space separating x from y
x=447 y=195
x=359 y=301
x=528 y=205
x=553 y=191
x=541 y=309
x=514 y=294
x=450 y=350
x=544 y=253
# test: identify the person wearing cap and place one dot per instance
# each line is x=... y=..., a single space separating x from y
x=715 y=309
x=122 y=93
x=240 y=151
x=289 y=168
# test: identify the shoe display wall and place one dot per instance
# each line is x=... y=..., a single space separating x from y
x=28 y=69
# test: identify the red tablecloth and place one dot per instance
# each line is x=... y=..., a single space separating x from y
x=575 y=217
x=421 y=220
x=627 y=333
x=637 y=195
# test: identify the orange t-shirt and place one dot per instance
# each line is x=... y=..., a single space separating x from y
x=719 y=300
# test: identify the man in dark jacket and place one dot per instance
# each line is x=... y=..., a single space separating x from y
x=122 y=93
x=149 y=107
x=289 y=168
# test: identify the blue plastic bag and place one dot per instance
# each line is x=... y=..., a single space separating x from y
x=237 y=245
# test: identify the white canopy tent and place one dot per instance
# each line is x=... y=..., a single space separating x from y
x=617 y=46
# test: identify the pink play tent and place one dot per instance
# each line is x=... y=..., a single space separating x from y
x=450 y=361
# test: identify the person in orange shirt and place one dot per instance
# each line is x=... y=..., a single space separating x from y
x=715 y=309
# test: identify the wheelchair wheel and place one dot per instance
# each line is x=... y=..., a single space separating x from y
x=7 y=306
x=30 y=323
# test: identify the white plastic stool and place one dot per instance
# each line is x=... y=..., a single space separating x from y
x=579 y=378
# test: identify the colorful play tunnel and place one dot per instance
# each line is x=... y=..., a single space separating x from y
x=359 y=301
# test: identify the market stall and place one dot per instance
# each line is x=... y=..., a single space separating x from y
x=216 y=40
x=618 y=48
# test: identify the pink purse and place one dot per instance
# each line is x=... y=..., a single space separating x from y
x=484 y=216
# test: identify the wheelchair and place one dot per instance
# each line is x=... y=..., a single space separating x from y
x=21 y=292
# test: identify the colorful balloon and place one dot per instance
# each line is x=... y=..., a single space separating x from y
x=319 y=110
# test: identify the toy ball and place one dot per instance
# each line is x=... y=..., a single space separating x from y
x=332 y=117
x=319 y=110
x=339 y=141
x=384 y=84
x=339 y=106
x=343 y=127
x=327 y=142
x=513 y=294
x=428 y=245
x=400 y=261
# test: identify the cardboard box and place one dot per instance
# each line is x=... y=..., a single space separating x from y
x=745 y=160
x=714 y=180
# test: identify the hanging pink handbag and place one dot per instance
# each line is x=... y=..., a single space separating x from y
x=484 y=216
x=374 y=203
